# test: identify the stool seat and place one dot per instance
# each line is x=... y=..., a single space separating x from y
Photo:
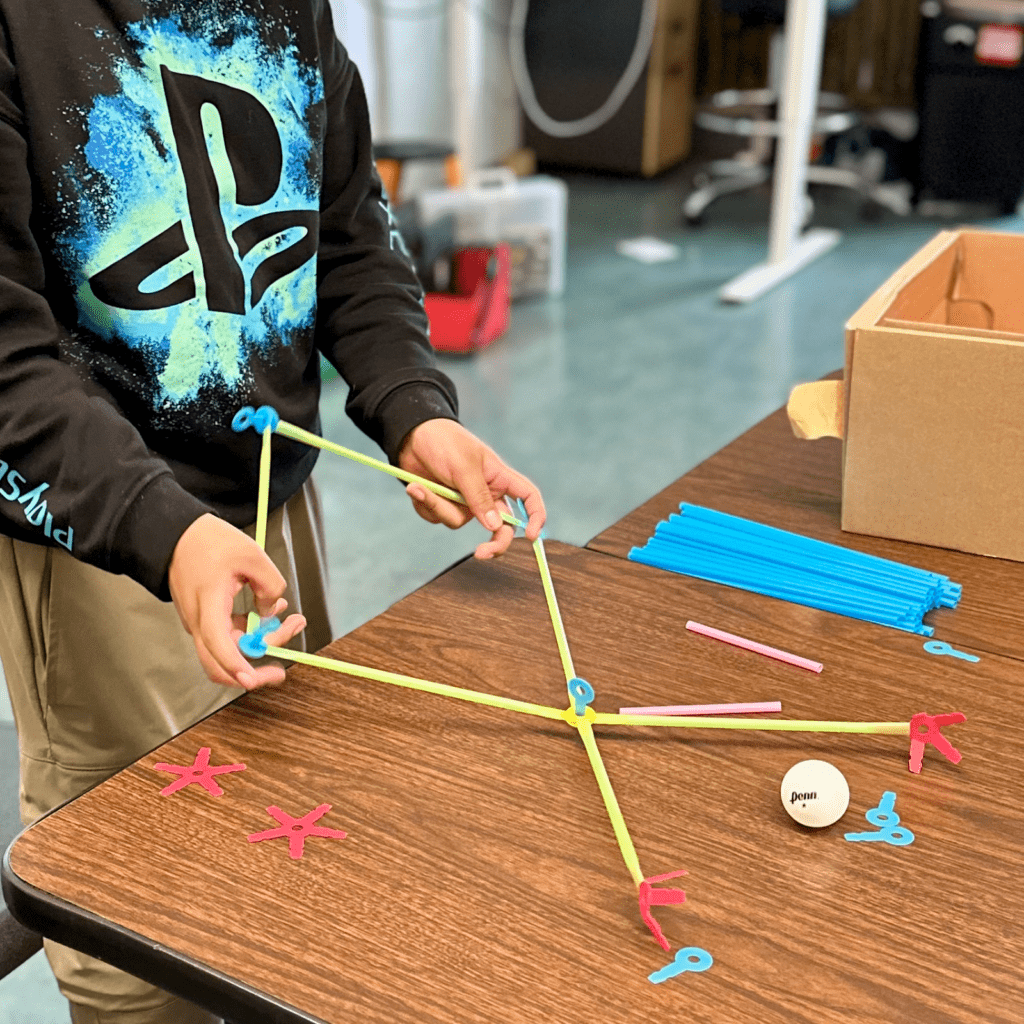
x=390 y=156
x=412 y=149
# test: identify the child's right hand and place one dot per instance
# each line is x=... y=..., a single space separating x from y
x=211 y=563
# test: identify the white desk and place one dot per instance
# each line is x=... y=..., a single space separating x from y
x=789 y=250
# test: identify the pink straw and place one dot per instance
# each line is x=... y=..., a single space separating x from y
x=708 y=709
x=750 y=645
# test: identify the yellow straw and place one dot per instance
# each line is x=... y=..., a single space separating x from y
x=770 y=724
x=417 y=684
x=556 y=615
x=263 y=498
x=262 y=504
x=298 y=434
x=610 y=803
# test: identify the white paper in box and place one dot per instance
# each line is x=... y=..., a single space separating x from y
x=527 y=213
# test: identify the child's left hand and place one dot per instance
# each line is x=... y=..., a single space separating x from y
x=444 y=451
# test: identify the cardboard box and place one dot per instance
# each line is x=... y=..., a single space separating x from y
x=933 y=399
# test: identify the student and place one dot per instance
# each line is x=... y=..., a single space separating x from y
x=189 y=216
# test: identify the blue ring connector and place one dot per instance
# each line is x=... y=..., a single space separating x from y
x=254 y=644
x=259 y=419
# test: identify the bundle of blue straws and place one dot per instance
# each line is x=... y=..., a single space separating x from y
x=752 y=556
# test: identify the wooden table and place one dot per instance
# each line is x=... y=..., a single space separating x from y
x=480 y=880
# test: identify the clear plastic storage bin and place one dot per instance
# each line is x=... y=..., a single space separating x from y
x=527 y=213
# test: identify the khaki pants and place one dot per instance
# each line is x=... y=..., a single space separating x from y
x=100 y=672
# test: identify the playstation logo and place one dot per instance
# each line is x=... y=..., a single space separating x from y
x=253 y=148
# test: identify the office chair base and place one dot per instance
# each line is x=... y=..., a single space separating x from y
x=730 y=176
x=714 y=188
x=753 y=113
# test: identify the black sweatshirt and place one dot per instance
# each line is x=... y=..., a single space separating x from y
x=189 y=215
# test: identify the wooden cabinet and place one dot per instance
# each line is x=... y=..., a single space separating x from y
x=668 y=118
x=575 y=63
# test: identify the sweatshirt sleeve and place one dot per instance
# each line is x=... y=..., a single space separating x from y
x=371 y=322
x=73 y=471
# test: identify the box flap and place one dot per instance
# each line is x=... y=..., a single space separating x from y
x=878 y=305
x=961 y=331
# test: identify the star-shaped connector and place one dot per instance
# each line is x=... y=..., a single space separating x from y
x=925 y=729
x=651 y=897
x=297 y=829
x=198 y=771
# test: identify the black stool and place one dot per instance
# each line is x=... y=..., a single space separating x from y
x=390 y=156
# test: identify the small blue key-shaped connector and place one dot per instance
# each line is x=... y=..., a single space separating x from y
x=887 y=820
x=692 y=958
x=884 y=815
x=941 y=647
x=581 y=693
x=252 y=645
x=892 y=836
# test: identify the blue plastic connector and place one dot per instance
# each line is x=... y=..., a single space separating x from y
x=581 y=693
x=259 y=419
x=254 y=644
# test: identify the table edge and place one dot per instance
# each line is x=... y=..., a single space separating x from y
x=70 y=925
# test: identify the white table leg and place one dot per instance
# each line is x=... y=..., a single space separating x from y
x=788 y=249
x=465 y=45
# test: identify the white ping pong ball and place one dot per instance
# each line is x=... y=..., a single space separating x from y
x=815 y=793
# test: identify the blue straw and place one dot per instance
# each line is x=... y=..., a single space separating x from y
x=950 y=592
x=782 y=543
x=696 y=561
x=753 y=556
x=790 y=587
x=908 y=620
x=714 y=536
x=810 y=544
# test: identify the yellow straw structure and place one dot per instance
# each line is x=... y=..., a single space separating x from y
x=769 y=724
x=610 y=802
x=556 y=615
x=315 y=441
x=581 y=722
x=418 y=684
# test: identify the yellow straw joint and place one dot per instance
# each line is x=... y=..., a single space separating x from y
x=570 y=716
x=263 y=494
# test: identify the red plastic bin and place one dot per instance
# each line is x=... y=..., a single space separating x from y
x=476 y=311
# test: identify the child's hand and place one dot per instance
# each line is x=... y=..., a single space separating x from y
x=444 y=451
x=211 y=563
